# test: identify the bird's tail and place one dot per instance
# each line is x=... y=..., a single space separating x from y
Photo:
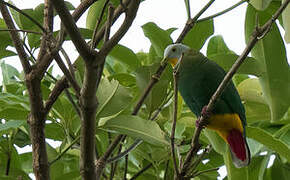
x=239 y=148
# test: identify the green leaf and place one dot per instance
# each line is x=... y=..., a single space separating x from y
x=260 y=4
x=125 y=56
x=9 y=73
x=64 y=111
x=21 y=138
x=218 y=51
x=137 y=127
x=12 y=124
x=158 y=92
x=11 y=113
x=250 y=66
x=54 y=131
x=112 y=98
x=158 y=37
x=217 y=45
x=268 y=140
x=233 y=172
x=279 y=170
x=255 y=104
x=258 y=167
x=286 y=22
x=270 y=52
x=216 y=141
x=6 y=53
x=197 y=36
x=4 y=36
x=94 y=13
x=124 y=79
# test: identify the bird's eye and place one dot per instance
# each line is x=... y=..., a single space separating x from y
x=174 y=49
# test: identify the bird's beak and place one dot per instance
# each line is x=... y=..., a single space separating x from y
x=172 y=61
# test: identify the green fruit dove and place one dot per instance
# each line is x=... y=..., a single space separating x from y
x=198 y=79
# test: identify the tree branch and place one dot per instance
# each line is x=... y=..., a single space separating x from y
x=47 y=58
x=172 y=137
x=64 y=151
x=72 y=29
x=141 y=171
x=67 y=74
x=59 y=87
x=130 y=16
x=94 y=43
x=48 y=25
x=191 y=22
x=15 y=38
x=23 y=13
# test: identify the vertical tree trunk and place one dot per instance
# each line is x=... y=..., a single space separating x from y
x=36 y=121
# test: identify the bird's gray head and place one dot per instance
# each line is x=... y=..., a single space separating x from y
x=173 y=53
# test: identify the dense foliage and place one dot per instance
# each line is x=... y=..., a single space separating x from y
x=263 y=82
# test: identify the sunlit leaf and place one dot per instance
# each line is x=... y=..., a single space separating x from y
x=158 y=37
x=268 y=140
x=112 y=98
x=286 y=22
x=270 y=52
x=260 y=4
x=137 y=127
x=197 y=36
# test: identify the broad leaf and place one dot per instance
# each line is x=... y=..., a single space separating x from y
x=112 y=98
x=125 y=56
x=197 y=36
x=268 y=140
x=12 y=124
x=233 y=172
x=286 y=22
x=270 y=52
x=218 y=51
x=158 y=37
x=9 y=73
x=260 y=4
x=137 y=127
x=252 y=96
x=95 y=11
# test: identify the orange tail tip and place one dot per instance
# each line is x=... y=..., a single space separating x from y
x=239 y=148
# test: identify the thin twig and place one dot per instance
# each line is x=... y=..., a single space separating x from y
x=172 y=137
x=15 y=38
x=24 y=14
x=191 y=22
x=205 y=171
x=222 y=12
x=99 y=20
x=48 y=25
x=126 y=167
x=141 y=171
x=64 y=151
x=166 y=170
x=188 y=9
x=21 y=30
x=67 y=74
x=124 y=153
x=59 y=87
x=73 y=31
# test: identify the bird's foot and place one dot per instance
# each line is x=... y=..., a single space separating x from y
x=206 y=115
